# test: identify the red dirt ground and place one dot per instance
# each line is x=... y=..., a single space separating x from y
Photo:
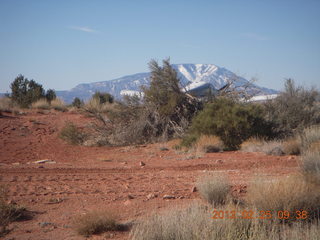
x=89 y=178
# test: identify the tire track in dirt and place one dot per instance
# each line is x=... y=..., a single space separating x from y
x=107 y=184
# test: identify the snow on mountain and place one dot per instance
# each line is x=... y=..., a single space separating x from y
x=191 y=76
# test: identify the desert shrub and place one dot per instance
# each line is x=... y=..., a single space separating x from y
x=293 y=110
x=164 y=112
x=310 y=138
x=25 y=92
x=214 y=188
x=290 y=193
x=58 y=104
x=77 y=102
x=195 y=222
x=41 y=104
x=72 y=134
x=103 y=97
x=310 y=166
x=50 y=95
x=233 y=122
x=95 y=222
x=208 y=144
x=9 y=212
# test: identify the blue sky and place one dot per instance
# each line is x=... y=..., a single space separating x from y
x=63 y=43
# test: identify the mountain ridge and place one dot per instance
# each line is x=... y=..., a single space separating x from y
x=190 y=75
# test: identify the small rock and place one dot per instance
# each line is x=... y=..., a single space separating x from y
x=168 y=197
x=142 y=164
x=164 y=149
x=291 y=158
x=44 y=224
x=151 y=196
x=211 y=149
x=219 y=161
x=128 y=202
x=16 y=163
x=194 y=189
x=12 y=202
x=44 y=161
x=41 y=167
x=130 y=196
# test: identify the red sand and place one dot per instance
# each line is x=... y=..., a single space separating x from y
x=88 y=178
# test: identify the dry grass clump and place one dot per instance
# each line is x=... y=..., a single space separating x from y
x=311 y=138
x=174 y=144
x=208 y=144
x=214 y=188
x=310 y=166
x=7 y=105
x=95 y=222
x=72 y=134
x=253 y=144
x=95 y=106
x=292 y=146
x=191 y=223
x=41 y=104
x=58 y=104
x=196 y=223
x=9 y=212
x=290 y=193
x=259 y=145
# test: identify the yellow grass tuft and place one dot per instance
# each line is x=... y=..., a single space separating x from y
x=95 y=222
x=41 y=104
x=58 y=104
x=208 y=143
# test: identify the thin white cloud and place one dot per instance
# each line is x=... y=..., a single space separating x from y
x=255 y=36
x=83 y=29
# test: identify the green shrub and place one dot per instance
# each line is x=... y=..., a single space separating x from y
x=103 y=97
x=77 y=102
x=72 y=134
x=25 y=92
x=214 y=188
x=233 y=122
x=50 y=95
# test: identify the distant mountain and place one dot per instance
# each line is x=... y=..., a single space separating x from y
x=192 y=77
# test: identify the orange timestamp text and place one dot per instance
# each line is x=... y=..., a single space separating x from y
x=251 y=214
